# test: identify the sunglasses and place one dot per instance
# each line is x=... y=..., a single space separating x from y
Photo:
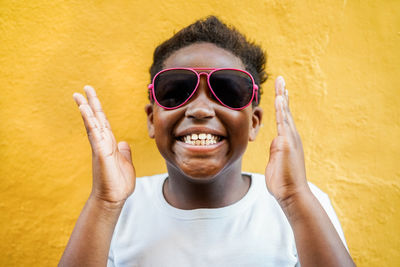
x=233 y=88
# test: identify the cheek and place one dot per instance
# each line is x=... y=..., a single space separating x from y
x=238 y=123
x=162 y=130
x=162 y=137
x=164 y=122
x=238 y=126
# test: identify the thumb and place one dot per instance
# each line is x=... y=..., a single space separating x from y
x=125 y=150
x=269 y=171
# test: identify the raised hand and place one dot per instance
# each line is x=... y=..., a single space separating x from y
x=285 y=173
x=113 y=182
x=113 y=171
x=317 y=241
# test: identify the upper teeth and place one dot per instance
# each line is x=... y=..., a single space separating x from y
x=201 y=139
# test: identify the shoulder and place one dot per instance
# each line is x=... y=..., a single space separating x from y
x=323 y=199
x=326 y=204
x=146 y=191
x=317 y=192
x=147 y=186
x=259 y=181
x=149 y=183
x=321 y=196
x=141 y=204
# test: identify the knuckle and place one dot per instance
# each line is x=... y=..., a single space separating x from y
x=83 y=105
x=98 y=109
x=286 y=120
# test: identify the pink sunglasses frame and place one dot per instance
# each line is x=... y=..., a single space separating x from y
x=198 y=74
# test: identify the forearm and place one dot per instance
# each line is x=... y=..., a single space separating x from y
x=90 y=240
x=317 y=241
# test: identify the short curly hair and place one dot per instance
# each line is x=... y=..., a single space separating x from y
x=212 y=30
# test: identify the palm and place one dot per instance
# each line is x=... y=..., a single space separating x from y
x=113 y=171
x=285 y=173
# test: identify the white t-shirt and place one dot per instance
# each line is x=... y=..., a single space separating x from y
x=251 y=232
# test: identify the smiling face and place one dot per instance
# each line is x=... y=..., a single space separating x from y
x=203 y=139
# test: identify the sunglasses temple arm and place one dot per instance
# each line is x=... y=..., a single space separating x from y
x=256 y=92
x=150 y=87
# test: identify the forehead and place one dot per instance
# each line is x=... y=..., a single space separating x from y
x=203 y=55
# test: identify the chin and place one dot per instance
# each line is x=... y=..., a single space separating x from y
x=199 y=174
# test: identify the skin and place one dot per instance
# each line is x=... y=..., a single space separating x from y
x=201 y=178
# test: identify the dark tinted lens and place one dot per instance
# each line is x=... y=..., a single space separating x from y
x=173 y=87
x=234 y=88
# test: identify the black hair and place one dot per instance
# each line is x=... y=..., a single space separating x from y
x=212 y=30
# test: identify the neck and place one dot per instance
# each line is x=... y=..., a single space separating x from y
x=187 y=193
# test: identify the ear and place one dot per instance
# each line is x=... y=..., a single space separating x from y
x=149 y=108
x=256 y=119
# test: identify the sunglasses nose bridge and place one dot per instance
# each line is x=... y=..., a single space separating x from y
x=204 y=73
x=200 y=106
x=203 y=84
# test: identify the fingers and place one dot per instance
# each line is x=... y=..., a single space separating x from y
x=125 y=150
x=279 y=86
x=95 y=104
x=90 y=121
x=280 y=115
x=287 y=96
x=98 y=129
x=284 y=119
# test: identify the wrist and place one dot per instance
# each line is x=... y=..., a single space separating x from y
x=295 y=205
x=112 y=206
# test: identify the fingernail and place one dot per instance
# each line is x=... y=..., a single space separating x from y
x=89 y=88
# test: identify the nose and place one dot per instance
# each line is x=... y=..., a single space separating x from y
x=201 y=105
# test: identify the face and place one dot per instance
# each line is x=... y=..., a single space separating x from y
x=227 y=130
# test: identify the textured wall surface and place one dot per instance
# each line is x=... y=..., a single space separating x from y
x=341 y=63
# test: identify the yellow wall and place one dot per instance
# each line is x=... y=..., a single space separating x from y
x=340 y=59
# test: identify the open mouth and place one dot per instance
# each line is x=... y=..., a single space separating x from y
x=200 y=139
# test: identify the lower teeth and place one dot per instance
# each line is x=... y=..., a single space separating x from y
x=201 y=142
